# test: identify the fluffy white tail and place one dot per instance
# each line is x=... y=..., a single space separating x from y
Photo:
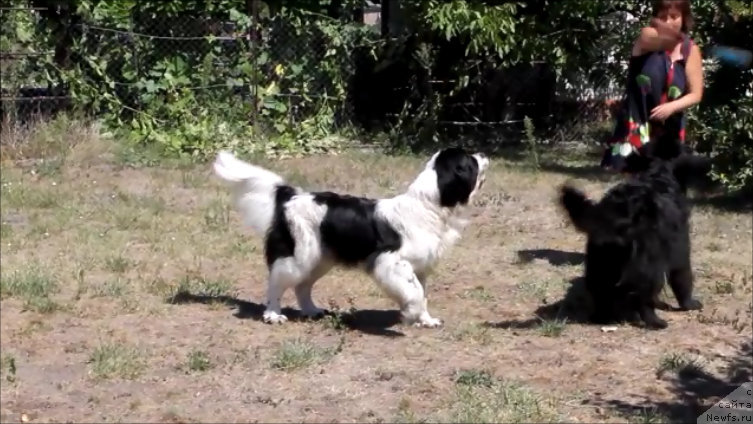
x=254 y=190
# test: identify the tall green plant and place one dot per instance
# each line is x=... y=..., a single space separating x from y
x=182 y=75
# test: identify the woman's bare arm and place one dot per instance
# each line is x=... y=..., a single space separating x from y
x=694 y=74
x=656 y=37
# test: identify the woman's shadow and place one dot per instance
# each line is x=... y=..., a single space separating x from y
x=368 y=321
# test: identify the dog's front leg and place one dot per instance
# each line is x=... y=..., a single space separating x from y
x=396 y=277
x=681 y=282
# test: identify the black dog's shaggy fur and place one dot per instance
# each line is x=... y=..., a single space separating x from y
x=638 y=233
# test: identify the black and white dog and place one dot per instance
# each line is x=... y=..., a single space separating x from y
x=397 y=240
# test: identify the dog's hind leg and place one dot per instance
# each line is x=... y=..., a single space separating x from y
x=646 y=283
x=398 y=280
x=284 y=274
x=303 y=292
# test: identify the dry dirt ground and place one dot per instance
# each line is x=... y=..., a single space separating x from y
x=133 y=295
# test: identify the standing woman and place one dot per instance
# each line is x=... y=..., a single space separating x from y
x=665 y=78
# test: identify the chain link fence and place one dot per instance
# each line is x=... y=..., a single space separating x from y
x=273 y=71
x=29 y=86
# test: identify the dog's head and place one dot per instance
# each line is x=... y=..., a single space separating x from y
x=452 y=177
x=669 y=151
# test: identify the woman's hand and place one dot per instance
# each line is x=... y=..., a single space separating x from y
x=658 y=36
x=665 y=30
x=664 y=111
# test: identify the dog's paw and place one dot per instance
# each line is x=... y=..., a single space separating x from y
x=656 y=324
x=271 y=317
x=428 y=322
x=691 y=305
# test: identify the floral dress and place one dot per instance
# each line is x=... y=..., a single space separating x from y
x=653 y=79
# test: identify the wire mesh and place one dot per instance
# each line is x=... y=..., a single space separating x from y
x=30 y=85
x=271 y=68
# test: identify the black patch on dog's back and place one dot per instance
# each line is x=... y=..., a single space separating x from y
x=279 y=242
x=351 y=232
x=457 y=172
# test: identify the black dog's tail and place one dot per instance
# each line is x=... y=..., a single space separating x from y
x=582 y=210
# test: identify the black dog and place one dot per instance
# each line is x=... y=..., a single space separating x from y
x=638 y=233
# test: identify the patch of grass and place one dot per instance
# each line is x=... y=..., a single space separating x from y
x=50 y=167
x=679 y=363
x=241 y=247
x=199 y=285
x=131 y=220
x=160 y=287
x=297 y=178
x=724 y=287
x=51 y=140
x=32 y=327
x=472 y=332
x=198 y=361
x=33 y=285
x=6 y=231
x=25 y=195
x=335 y=319
x=406 y=415
x=739 y=321
x=113 y=287
x=552 y=327
x=116 y=360
x=475 y=378
x=536 y=289
x=8 y=368
x=152 y=203
x=189 y=178
x=647 y=416
x=296 y=354
x=217 y=216
x=118 y=264
x=482 y=398
x=479 y=293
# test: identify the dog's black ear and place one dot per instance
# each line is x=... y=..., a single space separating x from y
x=457 y=172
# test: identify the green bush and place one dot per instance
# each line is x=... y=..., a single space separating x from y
x=723 y=123
x=180 y=77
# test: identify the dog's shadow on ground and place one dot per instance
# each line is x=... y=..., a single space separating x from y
x=574 y=307
x=695 y=390
x=368 y=321
x=554 y=257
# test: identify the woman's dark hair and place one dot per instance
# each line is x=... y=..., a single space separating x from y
x=682 y=6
